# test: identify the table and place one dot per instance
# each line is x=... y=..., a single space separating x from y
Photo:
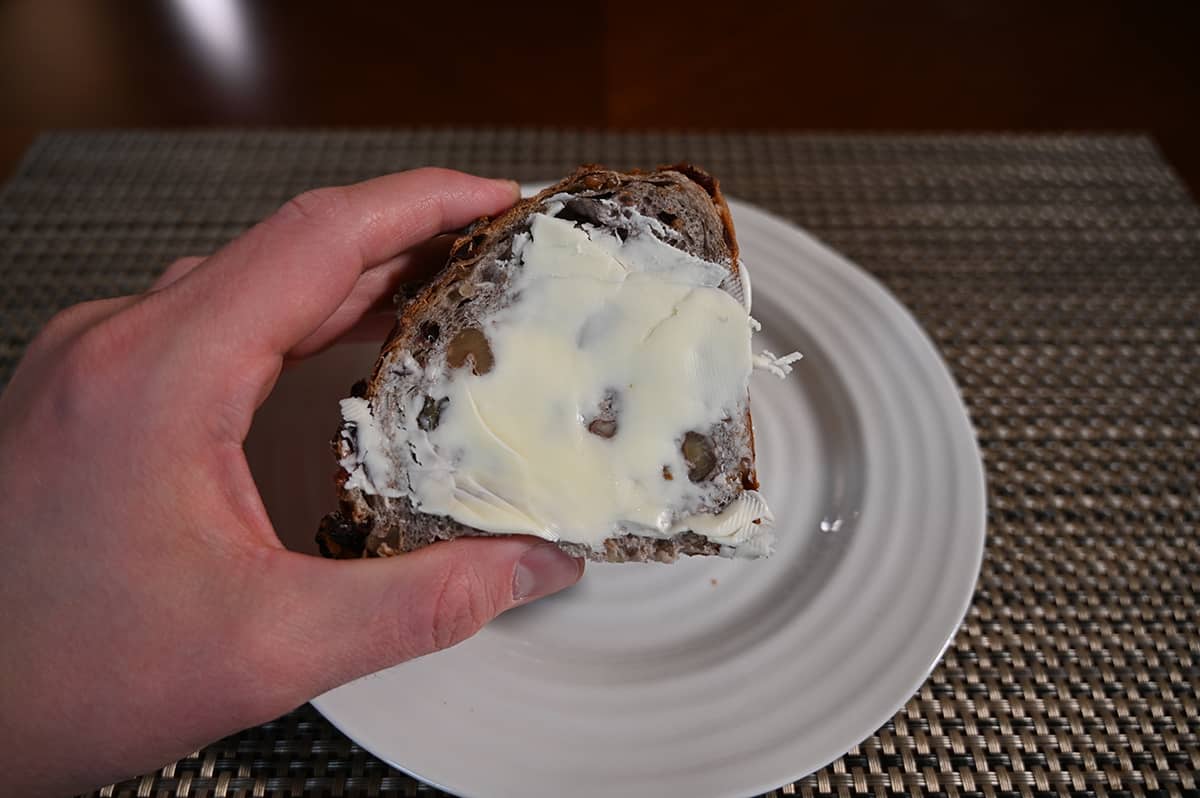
x=1058 y=275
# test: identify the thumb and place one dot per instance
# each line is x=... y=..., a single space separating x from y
x=336 y=620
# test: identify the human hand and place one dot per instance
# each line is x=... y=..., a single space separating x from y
x=149 y=606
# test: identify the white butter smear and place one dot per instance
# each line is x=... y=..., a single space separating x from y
x=636 y=322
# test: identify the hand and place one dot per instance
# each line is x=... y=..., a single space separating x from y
x=148 y=606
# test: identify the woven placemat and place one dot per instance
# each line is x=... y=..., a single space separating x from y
x=1060 y=277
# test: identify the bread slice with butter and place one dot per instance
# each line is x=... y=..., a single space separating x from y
x=577 y=371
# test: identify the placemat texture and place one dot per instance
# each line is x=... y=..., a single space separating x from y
x=1060 y=277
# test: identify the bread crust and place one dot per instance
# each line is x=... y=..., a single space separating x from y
x=366 y=525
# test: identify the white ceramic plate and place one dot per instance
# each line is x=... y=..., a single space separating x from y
x=708 y=677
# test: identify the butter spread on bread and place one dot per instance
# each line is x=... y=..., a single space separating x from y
x=583 y=380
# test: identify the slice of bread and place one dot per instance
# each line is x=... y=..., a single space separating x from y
x=444 y=328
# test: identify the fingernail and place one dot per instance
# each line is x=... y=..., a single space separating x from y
x=543 y=570
x=512 y=185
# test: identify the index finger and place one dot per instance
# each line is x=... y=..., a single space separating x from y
x=274 y=285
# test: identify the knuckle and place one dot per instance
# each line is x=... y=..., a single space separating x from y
x=315 y=205
x=86 y=359
x=100 y=355
x=69 y=320
x=460 y=607
x=80 y=375
x=62 y=332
